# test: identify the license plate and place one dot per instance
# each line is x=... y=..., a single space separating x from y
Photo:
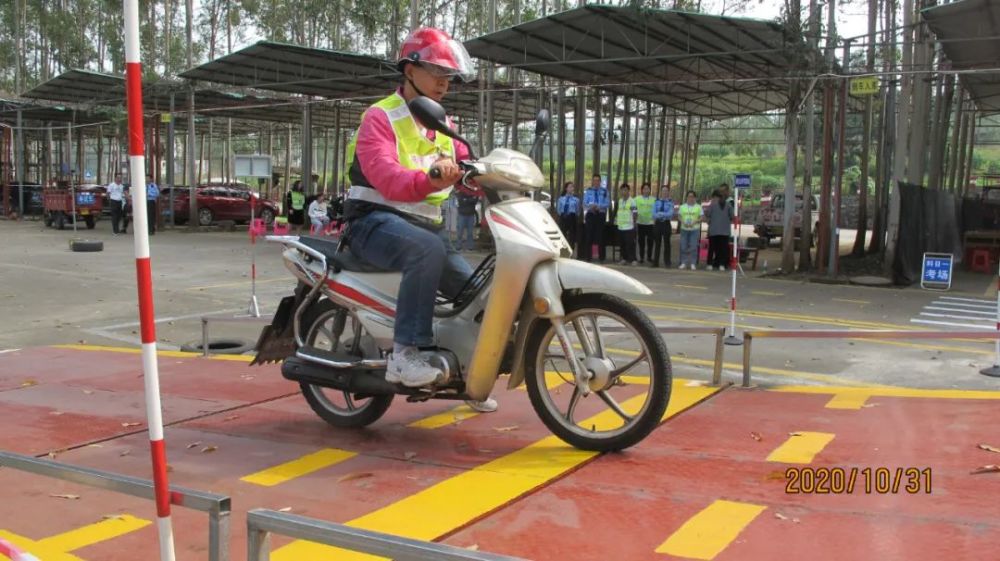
x=84 y=212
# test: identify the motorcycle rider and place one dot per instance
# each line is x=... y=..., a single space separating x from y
x=394 y=204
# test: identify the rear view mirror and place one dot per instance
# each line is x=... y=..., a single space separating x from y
x=431 y=115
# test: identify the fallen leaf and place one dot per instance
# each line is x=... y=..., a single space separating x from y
x=756 y=436
x=56 y=413
x=795 y=434
x=112 y=517
x=694 y=383
x=170 y=468
x=126 y=425
x=777 y=475
x=193 y=445
x=992 y=468
x=780 y=516
x=870 y=405
x=230 y=418
x=95 y=446
x=355 y=475
x=989 y=448
x=286 y=509
x=124 y=453
x=88 y=392
x=28 y=383
x=505 y=429
x=70 y=497
x=209 y=449
x=409 y=455
x=473 y=547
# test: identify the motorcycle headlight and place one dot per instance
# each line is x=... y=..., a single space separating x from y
x=516 y=168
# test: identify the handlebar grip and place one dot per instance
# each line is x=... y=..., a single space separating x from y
x=435 y=173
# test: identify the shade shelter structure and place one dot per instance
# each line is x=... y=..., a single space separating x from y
x=969 y=34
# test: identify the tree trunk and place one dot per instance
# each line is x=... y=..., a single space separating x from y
x=859 y=240
x=900 y=165
x=955 y=141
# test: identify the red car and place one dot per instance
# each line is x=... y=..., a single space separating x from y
x=222 y=202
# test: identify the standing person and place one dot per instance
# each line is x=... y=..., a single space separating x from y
x=720 y=222
x=394 y=204
x=663 y=213
x=116 y=196
x=596 y=202
x=152 y=195
x=690 y=216
x=467 y=205
x=626 y=213
x=295 y=202
x=318 y=214
x=644 y=204
x=126 y=208
x=567 y=208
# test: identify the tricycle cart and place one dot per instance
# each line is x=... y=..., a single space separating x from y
x=64 y=204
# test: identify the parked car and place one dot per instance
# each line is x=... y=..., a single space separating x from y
x=770 y=220
x=221 y=202
x=33 y=199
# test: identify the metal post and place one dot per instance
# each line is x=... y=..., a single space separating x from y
x=253 y=309
x=170 y=157
x=204 y=336
x=994 y=370
x=306 y=160
x=19 y=156
x=734 y=263
x=717 y=367
x=258 y=545
x=191 y=180
x=747 y=339
x=218 y=535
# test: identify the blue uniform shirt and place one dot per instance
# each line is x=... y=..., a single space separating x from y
x=152 y=192
x=663 y=209
x=568 y=204
x=596 y=196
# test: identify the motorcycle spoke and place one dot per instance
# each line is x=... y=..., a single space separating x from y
x=625 y=368
x=599 y=340
x=583 y=337
x=350 y=401
x=572 y=404
x=610 y=401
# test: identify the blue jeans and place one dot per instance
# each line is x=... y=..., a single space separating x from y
x=466 y=226
x=427 y=262
x=689 y=246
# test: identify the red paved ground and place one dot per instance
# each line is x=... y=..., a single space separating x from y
x=620 y=506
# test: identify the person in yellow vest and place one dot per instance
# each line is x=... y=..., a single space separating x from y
x=690 y=215
x=626 y=213
x=295 y=203
x=644 y=205
x=394 y=204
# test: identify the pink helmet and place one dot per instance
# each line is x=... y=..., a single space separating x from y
x=435 y=50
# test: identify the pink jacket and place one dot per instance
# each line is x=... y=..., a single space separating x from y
x=376 y=154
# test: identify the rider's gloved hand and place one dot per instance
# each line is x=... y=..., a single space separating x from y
x=444 y=173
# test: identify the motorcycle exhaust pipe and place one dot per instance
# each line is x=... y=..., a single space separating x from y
x=358 y=380
x=339 y=364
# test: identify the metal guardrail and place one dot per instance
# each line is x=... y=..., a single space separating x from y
x=232 y=319
x=262 y=523
x=719 y=332
x=749 y=336
x=218 y=507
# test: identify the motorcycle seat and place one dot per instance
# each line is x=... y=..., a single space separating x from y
x=340 y=260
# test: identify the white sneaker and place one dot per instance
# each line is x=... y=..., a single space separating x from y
x=682 y=266
x=410 y=369
x=487 y=405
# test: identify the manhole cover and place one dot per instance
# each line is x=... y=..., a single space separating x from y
x=871 y=281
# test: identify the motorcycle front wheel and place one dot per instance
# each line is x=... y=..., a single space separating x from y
x=332 y=328
x=628 y=367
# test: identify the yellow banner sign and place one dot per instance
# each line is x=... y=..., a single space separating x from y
x=867 y=85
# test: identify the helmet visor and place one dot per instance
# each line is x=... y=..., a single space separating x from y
x=447 y=59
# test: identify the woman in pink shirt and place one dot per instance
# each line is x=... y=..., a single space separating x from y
x=394 y=205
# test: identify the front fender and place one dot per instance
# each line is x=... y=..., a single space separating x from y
x=551 y=279
x=580 y=275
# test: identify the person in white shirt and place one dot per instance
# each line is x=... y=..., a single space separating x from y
x=116 y=197
x=318 y=213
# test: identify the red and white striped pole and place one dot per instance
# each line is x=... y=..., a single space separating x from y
x=734 y=261
x=144 y=278
x=14 y=554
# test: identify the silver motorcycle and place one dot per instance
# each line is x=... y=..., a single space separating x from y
x=597 y=370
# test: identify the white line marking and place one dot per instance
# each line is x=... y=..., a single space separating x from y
x=9 y=351
x=964 y=311
x=131 y=340
x=950 y=316
x=927 y=321
x=174 y=318
x=968 y=299
x=964 y=305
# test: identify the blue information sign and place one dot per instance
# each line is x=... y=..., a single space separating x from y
x=742 y=180
x=937 y=271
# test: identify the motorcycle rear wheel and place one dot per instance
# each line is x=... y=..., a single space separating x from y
x=596 y=325
x=330 y=327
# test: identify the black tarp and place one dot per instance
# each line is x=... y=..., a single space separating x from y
x=930 y=221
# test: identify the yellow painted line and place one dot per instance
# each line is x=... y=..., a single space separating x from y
x=849 y=301
x=59 y=546
x=850 y=400
x=167 y=354
x=452 y=416
x=891 y=391
x=800 y=447
x=709 y=532
x=297 y=468
x=691 y=286
x=456 y=501
x=775 y=315
x=765 y=293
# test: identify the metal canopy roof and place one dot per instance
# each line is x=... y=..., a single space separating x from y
x=968 y=31
x=82 y=87
x=35 y=113
x=282 y=67
x=706 y=65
